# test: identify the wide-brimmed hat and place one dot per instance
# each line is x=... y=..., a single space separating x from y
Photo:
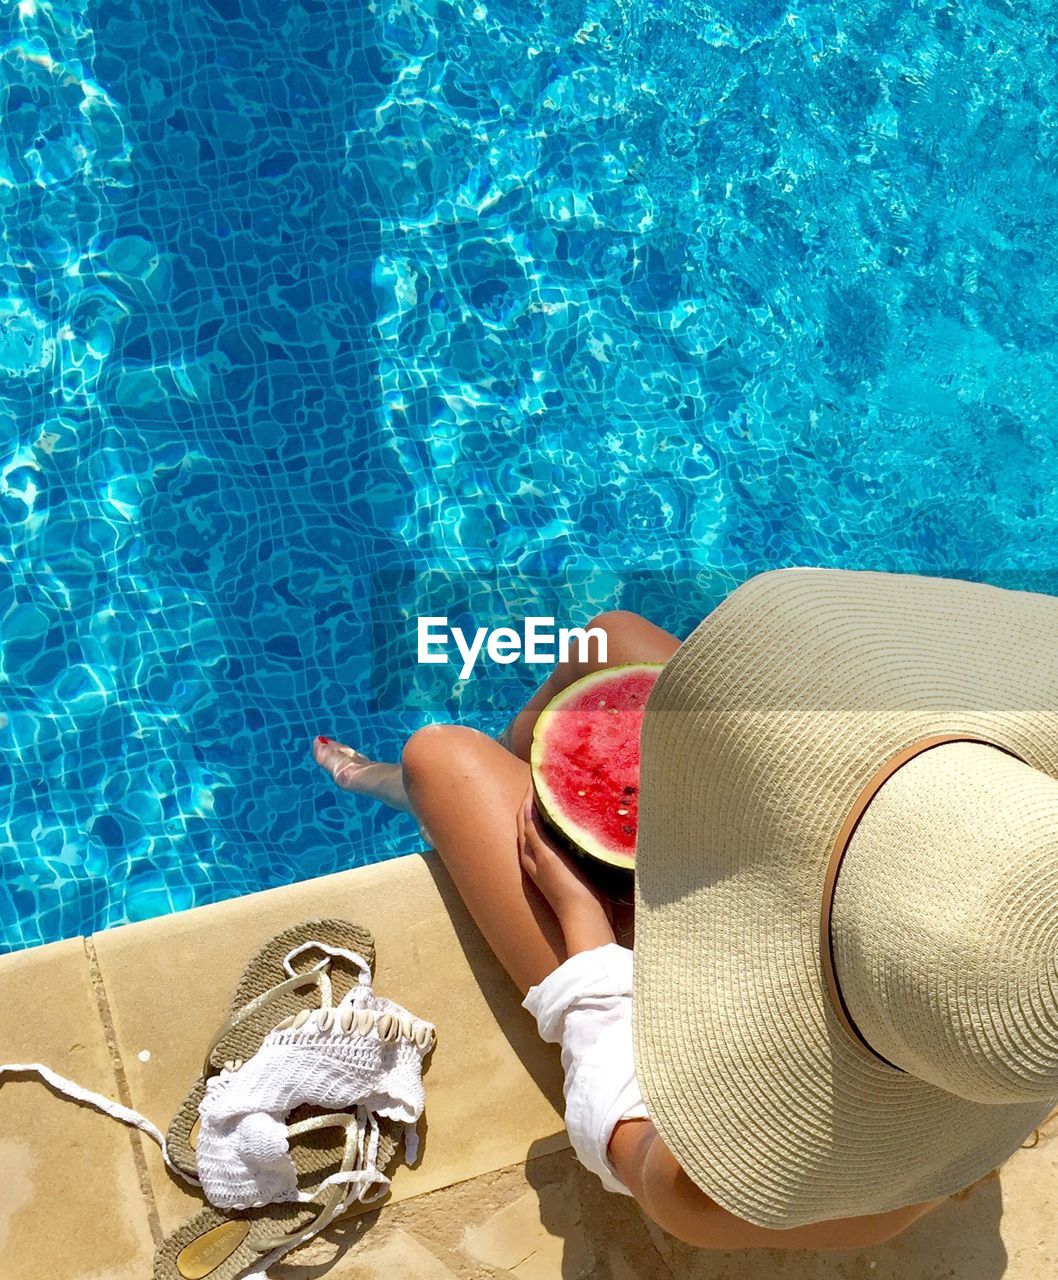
x=846 y=949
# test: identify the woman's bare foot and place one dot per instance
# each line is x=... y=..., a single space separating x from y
x=353 y=771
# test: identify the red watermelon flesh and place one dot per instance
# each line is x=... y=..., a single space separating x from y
x=585 y=760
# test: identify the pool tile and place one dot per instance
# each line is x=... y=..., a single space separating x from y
x=493 y=1088
x=71 y=1205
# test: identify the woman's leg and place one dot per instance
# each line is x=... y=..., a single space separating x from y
x=629 y=638
x=466 y=789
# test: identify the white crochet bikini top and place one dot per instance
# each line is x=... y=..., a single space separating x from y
x=367 y=1050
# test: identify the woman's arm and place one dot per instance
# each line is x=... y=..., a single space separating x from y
x=666 y=1194
x=584 y=926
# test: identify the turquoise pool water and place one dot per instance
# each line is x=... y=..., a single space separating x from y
x=315 y=317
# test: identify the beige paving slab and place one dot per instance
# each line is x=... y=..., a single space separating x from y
x=516 y=1233
x=397 y=1255
x=491 y=1227
x=549 y=1219
x=71 y=1207
x=493 y=1088
x=552 y=1220
x=538 y=1236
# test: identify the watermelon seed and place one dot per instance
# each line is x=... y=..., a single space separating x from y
x=602 y=702
x=622 y=812
x=626 y=828
x=582 y=793
x=629 y=791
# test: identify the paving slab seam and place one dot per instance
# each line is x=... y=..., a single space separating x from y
x=139 y=1159
x=480 y=1176
x=663 y=1260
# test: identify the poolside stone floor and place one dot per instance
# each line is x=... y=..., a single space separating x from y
x=496 y=1190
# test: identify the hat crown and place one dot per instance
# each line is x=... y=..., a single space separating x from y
x=945 y=924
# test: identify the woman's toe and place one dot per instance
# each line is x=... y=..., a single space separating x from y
x=336 y=757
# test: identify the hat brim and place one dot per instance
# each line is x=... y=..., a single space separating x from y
x=758 y=735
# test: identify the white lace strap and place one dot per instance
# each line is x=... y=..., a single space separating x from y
x=336 y=953
x=360 y=1160
x=358 y=1168
x=70 y=1089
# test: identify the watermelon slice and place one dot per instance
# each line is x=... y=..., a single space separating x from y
x=585 y=761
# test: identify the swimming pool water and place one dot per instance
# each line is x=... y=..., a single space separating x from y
x=315 y=317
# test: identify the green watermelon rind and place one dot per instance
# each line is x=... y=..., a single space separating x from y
x=570 y=836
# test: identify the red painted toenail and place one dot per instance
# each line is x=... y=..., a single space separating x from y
x=321 y=738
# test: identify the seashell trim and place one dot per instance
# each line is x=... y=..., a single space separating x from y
x=389 y=1027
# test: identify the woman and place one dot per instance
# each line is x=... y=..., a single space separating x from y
x=536 y=908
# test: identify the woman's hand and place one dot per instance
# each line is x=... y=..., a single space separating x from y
x=554 y=872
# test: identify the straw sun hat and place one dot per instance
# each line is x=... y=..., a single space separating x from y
x=807 y=1055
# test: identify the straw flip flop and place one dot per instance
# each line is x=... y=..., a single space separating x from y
x=266 y=994
x=225 y=1244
